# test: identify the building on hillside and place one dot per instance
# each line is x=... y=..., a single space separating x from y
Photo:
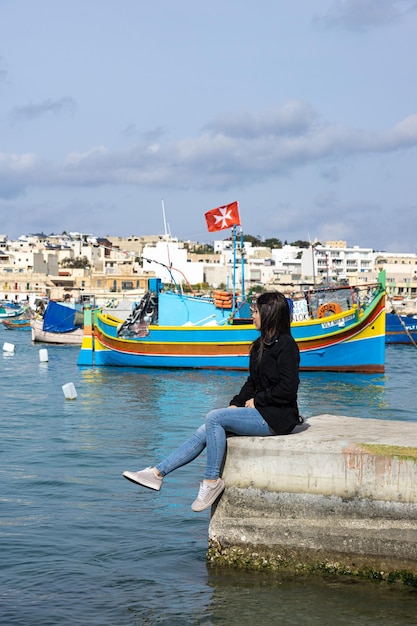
x=401 y=271
x=336 y=262
x=169 y=261
x=134 y=244
x=22 y=286
x=77 y=263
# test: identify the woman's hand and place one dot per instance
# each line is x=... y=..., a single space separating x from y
x=250 y=404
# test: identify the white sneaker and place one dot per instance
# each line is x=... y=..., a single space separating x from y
x=146 y=478
x=207 y=494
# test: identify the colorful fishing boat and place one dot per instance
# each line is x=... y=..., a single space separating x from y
x=337 y=329
x=9 y=310
x=401 y=328
x=60 y=324
x=19 y=322
x=16 y=324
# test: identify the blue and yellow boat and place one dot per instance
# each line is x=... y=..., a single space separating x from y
x=338 y=329
x=401 y=328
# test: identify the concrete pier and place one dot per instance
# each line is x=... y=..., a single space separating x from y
x=338 y=495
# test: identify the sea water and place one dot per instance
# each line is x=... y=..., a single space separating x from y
x=79 y=544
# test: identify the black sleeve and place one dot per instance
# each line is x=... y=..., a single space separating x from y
x=247 y=392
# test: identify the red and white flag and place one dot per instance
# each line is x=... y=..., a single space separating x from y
x=223 y=217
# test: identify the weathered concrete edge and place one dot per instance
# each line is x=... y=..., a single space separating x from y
x=340 y=533
x=305 y=533
x=286 y=562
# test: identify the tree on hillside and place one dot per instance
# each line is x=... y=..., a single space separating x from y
x=206 y=248
x=273 y=242
x=79 y=262
x=255 y=241
x=301 y=244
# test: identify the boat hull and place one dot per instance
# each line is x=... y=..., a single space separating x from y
x=16 y=324
x=10 y=312
x=401 y=329
x=73 y=337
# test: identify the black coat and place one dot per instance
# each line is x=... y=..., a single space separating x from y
x=273 y=383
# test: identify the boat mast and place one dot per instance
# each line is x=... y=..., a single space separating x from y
x=242 y=257
x=234 y=269
x=166 y=234
x=164 y=218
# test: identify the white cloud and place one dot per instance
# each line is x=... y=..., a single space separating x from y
x=293 y=118
x=265 y=147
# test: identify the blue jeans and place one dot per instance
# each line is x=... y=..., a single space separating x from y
x=218 y=424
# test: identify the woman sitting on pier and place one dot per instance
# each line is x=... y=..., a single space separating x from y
x=265 y=406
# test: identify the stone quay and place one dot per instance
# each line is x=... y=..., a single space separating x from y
x=338 y=496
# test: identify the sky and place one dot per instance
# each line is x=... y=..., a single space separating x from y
x=303 y=111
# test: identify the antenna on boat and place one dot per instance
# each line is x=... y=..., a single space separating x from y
x=166 y=233
x=164 y=217
x=313 y=247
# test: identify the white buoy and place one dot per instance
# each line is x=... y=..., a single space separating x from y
x=8 y=347
x=43 y=355
x=69 y=390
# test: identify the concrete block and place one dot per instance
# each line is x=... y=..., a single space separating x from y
x=338 y=490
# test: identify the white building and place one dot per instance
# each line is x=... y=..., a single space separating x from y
x=168 y=261
x=401 y=270
x=335 y=261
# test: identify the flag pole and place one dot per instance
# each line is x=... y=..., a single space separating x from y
x=242 y=257
x=234 y=269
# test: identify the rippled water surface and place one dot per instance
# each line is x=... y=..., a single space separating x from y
x=81 y=545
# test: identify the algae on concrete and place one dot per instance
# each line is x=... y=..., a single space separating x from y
x=403 y=453
x=256 y=558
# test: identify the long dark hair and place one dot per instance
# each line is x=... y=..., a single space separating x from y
x=275 y=317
